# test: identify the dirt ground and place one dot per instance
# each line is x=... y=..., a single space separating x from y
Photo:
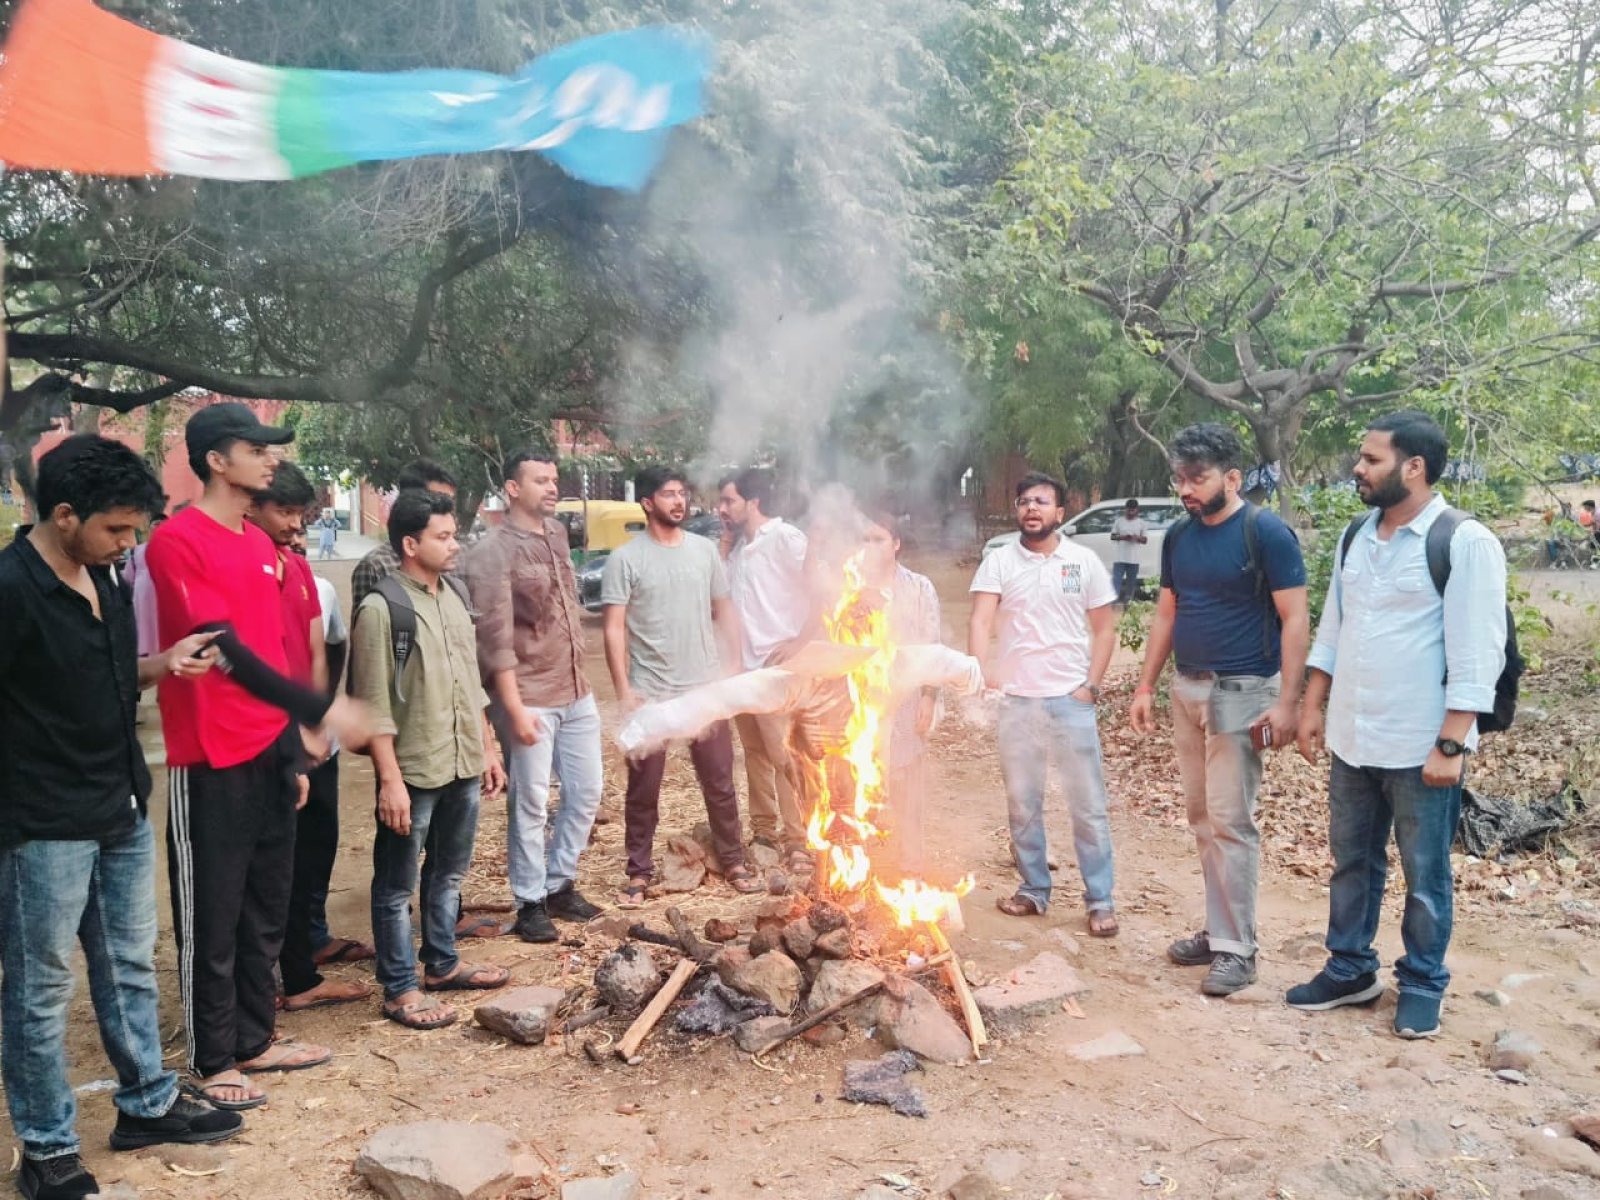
x=1229 y=1099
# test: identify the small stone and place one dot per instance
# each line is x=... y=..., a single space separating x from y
x=1115 y=1044
x=825 y=917
x=785 y=910
x=837 y=980
x=1413 y=1142
x=834 y=944
x=761 y=856
x=1507 y=1075
x=522 y=1014
x=614 y=925
x=624 y=1185
x=765 y=941
x=193 y=1158
x=773 y=977
x=1513 y=1050
x=728 y=961
x=829 y=1033
x=1151 y=1179
x=439 y=1160
x=1255 y=994
x=681 y=866
x=798 y=939
x=777 y=883
x=883 y=1081
x=909 y=1018
x=627 y=978
x=1562 y=1153
x=718 y=930
x=975 y=1185
x=1320 y=1055
x=1034 y=989
x=1512 y=982
x=1493 y=997
x=755 y=1033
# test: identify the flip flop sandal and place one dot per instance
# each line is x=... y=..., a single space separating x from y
x=1020 y=906
x=1103 y=924
x=281 y=1052
x=632 y=896
x=343 y=950
x=357 y=992
x=202 y=1093
x=480 y=927
x=481 y=978
x=417 y=1014
x=741 y=880
x=801 y=862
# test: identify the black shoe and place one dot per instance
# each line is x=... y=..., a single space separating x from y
x=534 y=924
x=1192 y=951
x=63 y=1177
x=568 y=904
x=1325 y=992
x=187 y=1121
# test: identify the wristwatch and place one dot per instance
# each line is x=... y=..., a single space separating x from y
x=1451 y=748
x=1093 y=689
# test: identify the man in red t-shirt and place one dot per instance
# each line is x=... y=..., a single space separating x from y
x=278 y=510
x=232 y=758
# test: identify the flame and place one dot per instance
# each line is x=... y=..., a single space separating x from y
x=844 y=833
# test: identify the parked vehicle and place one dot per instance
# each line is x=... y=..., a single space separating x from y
x=594 y=526
x=1092 y=528
x=594 y=566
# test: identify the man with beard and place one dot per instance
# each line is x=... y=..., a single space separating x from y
x=1406 y=665
x=381 y=560
x=1055 y=603
x=666 y=606
x=1232 y=614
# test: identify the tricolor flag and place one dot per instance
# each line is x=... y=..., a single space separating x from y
x=82 y=90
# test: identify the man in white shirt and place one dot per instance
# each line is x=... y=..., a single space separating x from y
x=1408 y=655
x=1129 y=532
x=766 y=559
x=1054 y=602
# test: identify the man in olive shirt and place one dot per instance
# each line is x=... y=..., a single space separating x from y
x=428 y=753
x=530 y=653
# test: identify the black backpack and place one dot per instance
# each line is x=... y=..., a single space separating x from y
x=1437 y=549
x=403 y=620
x=1272 y=626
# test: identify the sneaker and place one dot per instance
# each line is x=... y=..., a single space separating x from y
x=1229 y=973
x=1416 y=1016
x=534 y=924
x=568 y=904
x=1192 y=951
x=1325 y=992
x=187 y=1121
x=63 y=1177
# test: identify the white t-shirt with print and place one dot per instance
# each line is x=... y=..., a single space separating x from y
x=1044 y=615
x=1128 y=531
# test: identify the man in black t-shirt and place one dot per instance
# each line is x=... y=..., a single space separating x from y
x=1232 y=613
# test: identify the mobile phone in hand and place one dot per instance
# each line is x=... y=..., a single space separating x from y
x=1261 y=736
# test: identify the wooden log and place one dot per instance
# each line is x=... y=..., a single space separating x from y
x=640 y=932
x=691 y=943
x=958 y=983
x=628 y=1047
x=584 y=1019
x=817 y=1018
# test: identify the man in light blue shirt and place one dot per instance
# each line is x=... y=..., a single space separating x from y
x=1405 y=672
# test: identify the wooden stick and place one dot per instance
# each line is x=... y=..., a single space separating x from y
x=963 y=990
x=692 y=945
x=628 y=1047
x=583 y=1020
x=816 y=1018
x=641 y=932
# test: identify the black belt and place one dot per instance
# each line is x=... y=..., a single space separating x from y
x=1197 y=674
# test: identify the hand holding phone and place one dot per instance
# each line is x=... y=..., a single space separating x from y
x=1261 y=735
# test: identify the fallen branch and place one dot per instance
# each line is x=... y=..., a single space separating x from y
x=583 y=1020
x=688 y=940
x=815 y=1019
x=640 y=932
x=628 y=1047
x=963 y=990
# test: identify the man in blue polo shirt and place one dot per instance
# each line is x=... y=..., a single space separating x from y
x=1232 y=613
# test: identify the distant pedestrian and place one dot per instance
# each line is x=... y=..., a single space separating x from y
x=1054 y=604
x=666 y=607
x=1129 y=532
x=1406 y=662
x=327 y=534
x=381 y=560
x=1232 y=614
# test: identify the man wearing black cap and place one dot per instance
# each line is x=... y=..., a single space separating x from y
x=233 y=759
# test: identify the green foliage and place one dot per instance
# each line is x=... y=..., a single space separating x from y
x=1133 y=626
x=1533 y=627
x=1330 y=511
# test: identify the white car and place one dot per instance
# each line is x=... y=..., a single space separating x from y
x=1092 y=528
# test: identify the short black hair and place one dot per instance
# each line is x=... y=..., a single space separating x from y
x=289 y=488
x=1207 y=444
x=93 y=474
x=758 y=484
x=516 y=458
x=1035 y=479
x=197 y=458
x=412 y=510
x=1130 y=502
x=651 y=480
x=1588 y=504
x=423 y=472
x=1415 y=435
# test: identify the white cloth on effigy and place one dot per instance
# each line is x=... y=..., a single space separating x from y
x=774 y=689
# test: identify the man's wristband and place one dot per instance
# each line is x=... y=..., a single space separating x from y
x=1144 y=689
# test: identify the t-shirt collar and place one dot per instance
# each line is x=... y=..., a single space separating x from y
x=1035 y=556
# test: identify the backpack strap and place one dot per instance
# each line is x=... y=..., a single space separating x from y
x=1173 y=530
x=1438 y=545
x=459 y=587
x=402 y=625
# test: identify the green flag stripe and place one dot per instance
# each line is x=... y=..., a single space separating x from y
x=305 y=138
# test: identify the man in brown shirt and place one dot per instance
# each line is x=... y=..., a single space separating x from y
x=530 y=651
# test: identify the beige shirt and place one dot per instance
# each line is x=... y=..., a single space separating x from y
x=438 y=725
x=528 y=615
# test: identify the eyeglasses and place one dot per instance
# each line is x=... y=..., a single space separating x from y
x=672 y=494
x=1035 y=502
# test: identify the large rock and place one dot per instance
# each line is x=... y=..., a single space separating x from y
x=627 y=978
x=681 y=865
x=1513 y=1050
x=729 y=961
x=799 y=939
x=826 y=916
x=1115 y=1044
x=1034 y=989
x=624 y=1185
x=751 y=1035
x=833 y=944
x=837 y=980
x=909 y=1018
x=718 y=1008
x=522 y=1014
x=883 y=1081
x=439 y=1160
x=1563 y=1153
x=1414 y=1141
x=773 y=978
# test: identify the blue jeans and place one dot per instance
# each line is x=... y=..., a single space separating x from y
x=52 y=894
x=1125 y=578
x=569 y=743
x=444 y=824
x=1029 y=730
x=1363 y=804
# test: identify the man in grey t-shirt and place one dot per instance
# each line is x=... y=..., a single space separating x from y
x=666 y=601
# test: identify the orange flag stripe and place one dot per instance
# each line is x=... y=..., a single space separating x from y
x=73 y=90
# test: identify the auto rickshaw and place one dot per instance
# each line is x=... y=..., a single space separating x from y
x=599 y=526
